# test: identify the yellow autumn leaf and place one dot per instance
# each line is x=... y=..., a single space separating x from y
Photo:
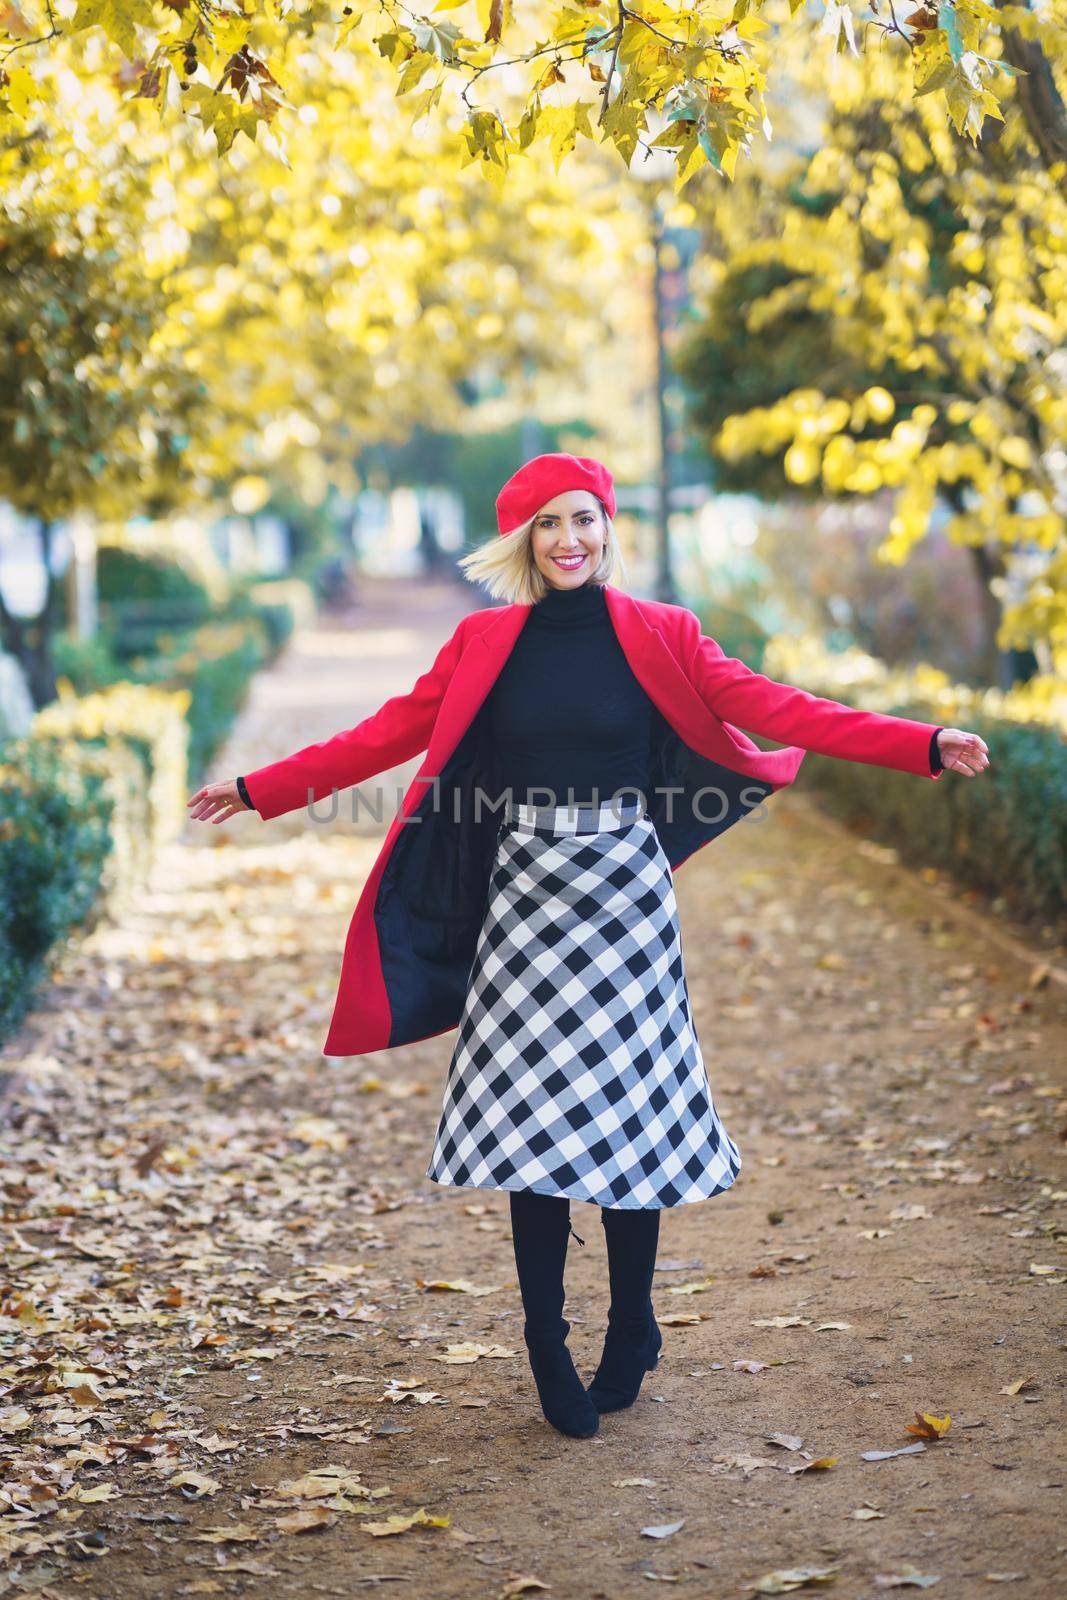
x=401 y=1523
x=456 y=1285
x=927 y=1426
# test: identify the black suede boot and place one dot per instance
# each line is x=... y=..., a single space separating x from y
x=540 y=1228
x=633 y=1340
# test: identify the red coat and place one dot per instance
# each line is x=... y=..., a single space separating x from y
x=412 y=937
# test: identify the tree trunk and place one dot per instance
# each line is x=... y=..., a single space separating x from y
x=1039 y=99
x=29 y=639
x=997 y=665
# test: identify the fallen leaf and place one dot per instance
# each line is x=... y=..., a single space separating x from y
x=463 y=1354
x=907 y=1578
x=331 y=1272
x=928 y=1427
x=97 y=1495
x=305 y=1520
x=401 y=1523
x=320 y=1131
x=420 y=1397
x=321 y=1484
x=1016 y=1384
x=663 y=1530
x=458 y=1285
x=86 y=1385
x=787 y=1579
x=215 y=1445
x=197 y=1482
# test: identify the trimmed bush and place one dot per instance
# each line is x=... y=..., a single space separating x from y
x=86 y=798
x=55 y=837
x=152 y=724
x=1004 y=833
x=101 y=779
x=213 y=665
x=127 y=575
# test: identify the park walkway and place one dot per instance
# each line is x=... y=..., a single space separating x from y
x=251 y=1350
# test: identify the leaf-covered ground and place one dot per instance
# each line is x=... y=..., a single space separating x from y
x=248 y=1348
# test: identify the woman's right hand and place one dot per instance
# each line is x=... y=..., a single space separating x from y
x=216 y=802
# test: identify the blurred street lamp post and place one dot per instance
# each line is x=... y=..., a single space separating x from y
x=654 y=169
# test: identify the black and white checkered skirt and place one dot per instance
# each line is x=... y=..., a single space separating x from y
x=577 y=1069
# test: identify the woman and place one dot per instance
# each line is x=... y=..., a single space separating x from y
x=552 y=939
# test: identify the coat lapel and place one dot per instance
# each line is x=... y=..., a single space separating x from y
x=476 y=672
x=656 y=668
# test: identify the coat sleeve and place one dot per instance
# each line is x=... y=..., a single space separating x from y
x=760 y=705
x=398 y=730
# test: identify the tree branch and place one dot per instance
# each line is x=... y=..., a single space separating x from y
x=1039 y=97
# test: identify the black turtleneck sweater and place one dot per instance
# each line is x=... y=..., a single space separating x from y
x=567 y=713
x=569 y=720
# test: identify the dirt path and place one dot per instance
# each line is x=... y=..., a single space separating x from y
x=220 y=1245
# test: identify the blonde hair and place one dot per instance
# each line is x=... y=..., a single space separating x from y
x=506 y=567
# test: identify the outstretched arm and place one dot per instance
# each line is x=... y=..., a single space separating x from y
x=792 y=716
x=398 y=730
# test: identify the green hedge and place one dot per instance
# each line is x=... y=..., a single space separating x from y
x=215 y=665
x=142 y=734
x=102 y=778
x=55 y=838
x=1005 y=832
x=124 y=576
x=214 y=661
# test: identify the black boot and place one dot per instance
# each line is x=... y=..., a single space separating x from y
x=540 y=1227
x=633 y=1340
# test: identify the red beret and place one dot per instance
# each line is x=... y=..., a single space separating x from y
x=541 y=479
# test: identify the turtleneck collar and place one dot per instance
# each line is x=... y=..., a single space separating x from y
x=570 y=607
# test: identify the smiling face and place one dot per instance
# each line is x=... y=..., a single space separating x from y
x=567 y=538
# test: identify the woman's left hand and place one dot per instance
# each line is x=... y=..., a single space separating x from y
x=962 y=752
